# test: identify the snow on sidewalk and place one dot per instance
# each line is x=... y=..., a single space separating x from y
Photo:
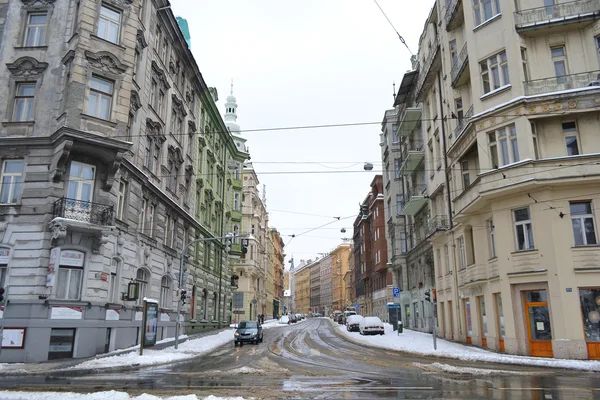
x=113 y=395
x=422 y=344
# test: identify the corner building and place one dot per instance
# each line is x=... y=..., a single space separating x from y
x=511 y=111
x=113 y=157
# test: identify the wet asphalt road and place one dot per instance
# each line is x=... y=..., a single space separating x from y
x=309 y=361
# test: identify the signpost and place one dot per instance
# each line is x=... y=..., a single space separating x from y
x=396 y=294
x=238 y=302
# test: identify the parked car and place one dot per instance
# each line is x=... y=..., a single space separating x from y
x=284 y=320
x=347 y=314
x=340 y=319
x=293 y=318
x=300 y=317
x=248 y=331
x=353 y=323
x=371 y=326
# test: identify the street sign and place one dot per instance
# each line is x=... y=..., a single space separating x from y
x=396 y=292
x=356 y=306
x=239 y=312
x=254 y=301
x=238 y=299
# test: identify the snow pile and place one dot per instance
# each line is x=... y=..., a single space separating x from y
x=113 y=395
x=187 y=350
x=422 y=344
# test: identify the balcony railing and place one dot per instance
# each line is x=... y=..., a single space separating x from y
x=415 y=191
x=460 y=65
x=454 y=15
x=574 y=11
x=562 y=83
x=84 y=211
x=436 y=224
x=425 y=78
x=462 y=123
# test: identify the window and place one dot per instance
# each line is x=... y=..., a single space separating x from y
x=24 y=97
x=570 y=133
x=236 y=202
x=35 y=30
x=154 y=94
x=397 y=164
x=438 y=258
x=494 y=72
x=598 y=46
x=152 y=155
x=143 y=216
x=165 y=292
x=3 y=269
x=136 y=62
x=395 y=136
x=446 y=260
x=465 y=174
x=582 y=220
x=11 y=181
x=462 y=255
x=459 y=110
x=524 y=61
x=141 y=9
x=121 y=199
x=113 y=284
x=485 y=9
x=559 y=59
x=399 y=203
x=590 y=310
x=161 y=104
x=109 y=24
x=100 y=98
x=492 y=238
x=142 y=277
x=70 y=278
x=536 y=149
x=169 y=231
x=509 y=147
x=453 y=53
x=164 y=51
x=157 y=38
x=523 y=229
x=150 y=220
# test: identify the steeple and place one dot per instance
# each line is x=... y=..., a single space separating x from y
x=231 y=111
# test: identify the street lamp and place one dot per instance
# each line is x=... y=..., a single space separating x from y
x=228 y=238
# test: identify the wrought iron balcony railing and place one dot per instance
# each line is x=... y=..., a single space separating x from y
x=562 y=83
x=436 y=224
x=84 y=211
x=426 y=68
x=459 y=65
x=454 y=14
x=557 y=13
x=462 y=123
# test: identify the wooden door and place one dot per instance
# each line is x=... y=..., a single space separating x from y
x=468 y=321
x=499 y=321
x=451 y=318
x=482 y=320
x=539 y=329
x=593 y=350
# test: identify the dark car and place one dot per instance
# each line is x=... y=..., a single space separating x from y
x=293 y=318
x=340 y=319
x=248 y=331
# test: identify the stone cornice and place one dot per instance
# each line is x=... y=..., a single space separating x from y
x=106 y=62
x=27 y=67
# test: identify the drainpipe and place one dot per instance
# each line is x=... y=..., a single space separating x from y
x=224 y=247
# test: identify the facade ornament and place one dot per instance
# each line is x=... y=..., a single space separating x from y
x=112 y=171
x=37 y=3
x=59 y=160
x=146 y=256
x=155 y=130
x=160 y=75
x=120 y=3
x=175 y=155
x=120 y=243
x=58 y=229
x=200 y=183
x=189 y=172
x=27 y=67
x=100 y=239
x=192 y=128
x=134 y=102
x=106 y=62
x=178 y=104
x=189 y=95
x=140 y=43
x=201 y=141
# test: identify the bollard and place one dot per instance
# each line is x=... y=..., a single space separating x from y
x=399 y=327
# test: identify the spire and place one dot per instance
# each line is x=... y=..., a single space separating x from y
x=230 y=116
x=231 y=92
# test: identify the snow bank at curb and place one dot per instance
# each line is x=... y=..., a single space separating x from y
x=420 y=343
x=113 y=395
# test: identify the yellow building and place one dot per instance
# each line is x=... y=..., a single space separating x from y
x=510 y=128
x=339 y=260
x=302 y=289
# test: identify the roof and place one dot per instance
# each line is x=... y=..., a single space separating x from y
x=408 y=82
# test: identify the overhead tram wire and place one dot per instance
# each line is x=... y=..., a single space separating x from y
x=394 y=28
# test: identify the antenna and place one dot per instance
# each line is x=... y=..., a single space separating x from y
x=394 y=89
x=231 y=87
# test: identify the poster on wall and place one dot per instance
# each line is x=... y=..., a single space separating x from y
x=13 y=338
x=1 y=311
x=71 y=258
x=65 y=312
x=139 y=315
x=52 y=266
x=112 y=314
x=165 y=317
x=4 y=253
x=150 y=322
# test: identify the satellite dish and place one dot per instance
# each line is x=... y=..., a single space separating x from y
x=368 y=166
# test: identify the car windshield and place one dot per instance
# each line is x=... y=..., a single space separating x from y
x=248 y=325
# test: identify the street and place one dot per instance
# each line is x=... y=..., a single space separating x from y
x=309 y=360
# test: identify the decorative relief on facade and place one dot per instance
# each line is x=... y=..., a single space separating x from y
x=112 y=171
x=201 y=141
x=58 y=230
x=178 y=104
x=154 y=129
x=59 y=160
x=189 y=95
x=134 y=102
x=189 y=172
x=573 y=104
x=175 y=155
x=173 y=66
x=140 y=42
x=120 y=3
x=192 y=128
x=160 y=76
x=105 y=62
x=200 y=183
x=100 y=239
x=27 y=67
x=37 y=3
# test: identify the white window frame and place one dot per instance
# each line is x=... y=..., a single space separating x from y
x=453 y=52
x=571 y=133
x=492 y=238
x=524 y=62
x=97 y=95
x=559 y=59
x=70 y=280
x=109 y=22
x=527 y=227
x=142 y=283
x=26 y=101
x=494 y=71
x=113 y=284
x=504 y=146
x=582 y=219
x=3 y=274
x=32 y=30
x=466 y=176
x=536 y=148
x=13 y=187
x=446 y=260
x=165 y=292
x=462 y=253
x=479 y=9
x=150 y=219
x=121 y=196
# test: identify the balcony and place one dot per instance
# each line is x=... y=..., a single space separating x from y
x=84 y=211
x=415 y=200
x=454 y=15
x=439 y=223
x=412 y=117
x=462 y=123
x=557 y=17
x=460 y=69
x=562 y=83
x=412 y=155
x=427 y=71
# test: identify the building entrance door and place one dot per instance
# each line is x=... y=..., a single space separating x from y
x=538 y=324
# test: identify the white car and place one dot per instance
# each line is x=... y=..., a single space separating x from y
x=353 y=323
x=284 y=320
x=371 y=326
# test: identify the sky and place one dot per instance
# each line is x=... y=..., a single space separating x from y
x=307 y=63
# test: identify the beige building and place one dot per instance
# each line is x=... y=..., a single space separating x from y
x=511 y=127
x=302 y=288
x=340 y=257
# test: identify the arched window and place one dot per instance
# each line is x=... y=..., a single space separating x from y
x=215 y=306
x=204 y=303
x=142 y=277
x=165 y=292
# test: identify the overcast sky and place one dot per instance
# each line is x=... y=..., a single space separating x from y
x=301 y=63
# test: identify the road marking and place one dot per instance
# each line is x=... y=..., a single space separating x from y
x=549 y=388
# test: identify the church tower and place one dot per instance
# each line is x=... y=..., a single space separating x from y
x=230 y=119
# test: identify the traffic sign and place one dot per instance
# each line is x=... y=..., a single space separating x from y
x=396 y=292
x=356 y=306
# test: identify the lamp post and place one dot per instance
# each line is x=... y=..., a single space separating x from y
x=228 y=237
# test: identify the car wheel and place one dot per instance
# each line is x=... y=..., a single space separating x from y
x=234 y=344
x=260 y=340
x=382 y=333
